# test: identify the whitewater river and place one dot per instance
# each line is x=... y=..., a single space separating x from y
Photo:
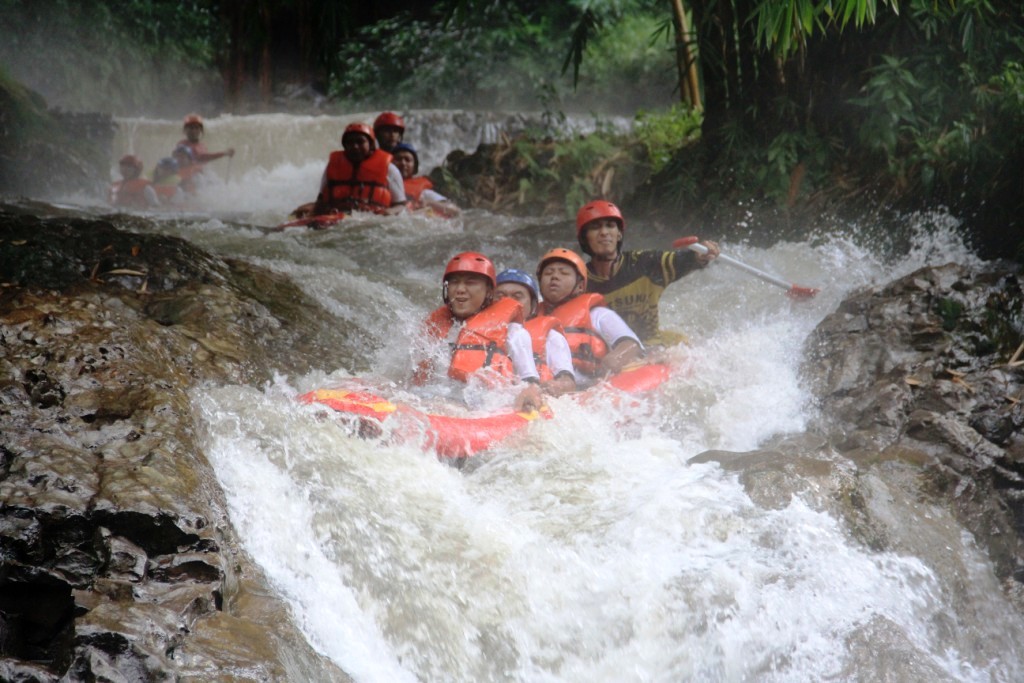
x=591 y=548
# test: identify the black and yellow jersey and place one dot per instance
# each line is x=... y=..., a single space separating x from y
x=636 y=284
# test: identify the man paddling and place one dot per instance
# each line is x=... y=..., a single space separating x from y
x=632 y=282
x=194 y=130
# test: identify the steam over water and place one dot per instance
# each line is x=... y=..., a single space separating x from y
x=596 y=546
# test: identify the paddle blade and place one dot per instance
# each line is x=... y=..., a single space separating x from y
x=801 y=293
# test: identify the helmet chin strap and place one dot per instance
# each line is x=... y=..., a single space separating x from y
x=576 y=291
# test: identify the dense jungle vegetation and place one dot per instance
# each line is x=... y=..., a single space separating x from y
x=795 y=105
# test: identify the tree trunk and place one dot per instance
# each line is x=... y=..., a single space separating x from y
x=689 y=84
x=233 y=61
x=266 y=71
x=305 y=31
x=730 y=57
x=711 y=47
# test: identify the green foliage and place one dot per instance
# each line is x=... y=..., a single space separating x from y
x=24 y=113
x=787 y=153
x=587 y=26
x=537 y=174
x=892 y=97
x=105 y=56
x=749 y=165
x=954 y=100
x=783 y=26
x=950 y=311
x=181 y=31
x=630 y=65
x=505 y=55
x=574 y=169
x=664 y=133
x=423 y=63
x=1003 y=94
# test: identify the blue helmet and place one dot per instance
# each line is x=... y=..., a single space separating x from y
x=406 y=147
x=184 y=150
x=522 y=278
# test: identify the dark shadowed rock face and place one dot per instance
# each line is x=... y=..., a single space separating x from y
x=921 y=370
x=119 y=561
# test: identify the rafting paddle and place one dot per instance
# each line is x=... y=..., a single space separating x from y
x=793 y=290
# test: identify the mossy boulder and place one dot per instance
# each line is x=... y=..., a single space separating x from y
x=46 y=153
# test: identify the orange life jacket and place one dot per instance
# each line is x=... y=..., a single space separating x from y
x=198 y=151
x=414 y=188
x=586 y=344
x=165 y=191
x=130 y=193
x=538 y=328
x=482 y=341
x=358 y=188
x=188 y=175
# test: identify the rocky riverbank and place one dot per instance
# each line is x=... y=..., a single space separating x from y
x=929 y=370
x=120 y=563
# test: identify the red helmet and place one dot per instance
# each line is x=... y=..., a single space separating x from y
x=131 y=160
x=389 y=118
x=469 y=262
x=561 y=254
x=193 y=119
x=362 y=129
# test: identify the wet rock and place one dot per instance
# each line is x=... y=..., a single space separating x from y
x=123 y=559
x=50 y=152
x=921 y=366
x=772 y=478
x=116 y=545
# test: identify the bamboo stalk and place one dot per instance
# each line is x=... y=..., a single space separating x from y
x=689 y=84
x=1013 y=361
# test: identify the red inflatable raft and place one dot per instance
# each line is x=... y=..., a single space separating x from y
x=460 y=436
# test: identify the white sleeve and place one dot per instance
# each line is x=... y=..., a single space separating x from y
x=396 y=185
x=557 y=353
x=150 y=195
x=520 y=350
x=432 y=196
x=611 y=326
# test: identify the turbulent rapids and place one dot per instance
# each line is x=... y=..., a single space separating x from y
x=717 y=534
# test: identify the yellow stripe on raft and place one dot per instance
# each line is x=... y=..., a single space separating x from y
x=377 y=404
x=531 y=415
